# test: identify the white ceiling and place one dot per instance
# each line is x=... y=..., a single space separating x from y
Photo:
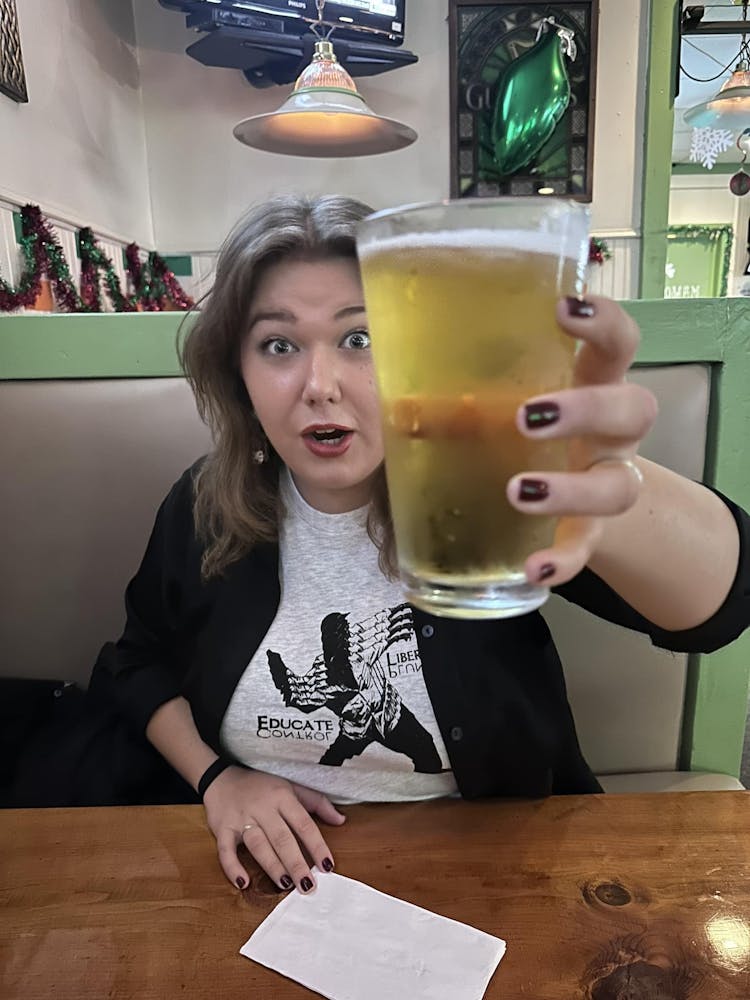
x=705 y=56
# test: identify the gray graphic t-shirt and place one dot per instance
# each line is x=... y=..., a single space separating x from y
x=334 y=697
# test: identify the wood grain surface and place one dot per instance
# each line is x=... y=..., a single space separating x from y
x=622 y=897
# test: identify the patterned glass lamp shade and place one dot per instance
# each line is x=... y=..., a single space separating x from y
x=324 y=116
x=730 y=108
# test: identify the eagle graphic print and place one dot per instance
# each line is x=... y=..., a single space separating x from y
x=351 y=678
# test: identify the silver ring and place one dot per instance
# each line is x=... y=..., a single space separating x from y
x=249 y=826
x=616 y=460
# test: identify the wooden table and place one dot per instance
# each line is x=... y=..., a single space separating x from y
x=631 y=897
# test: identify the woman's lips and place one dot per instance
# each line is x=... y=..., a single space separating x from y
x=328 y=447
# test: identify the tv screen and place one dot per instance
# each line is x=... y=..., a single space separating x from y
x=384 y=18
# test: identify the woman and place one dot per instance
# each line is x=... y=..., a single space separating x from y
x=268 y=654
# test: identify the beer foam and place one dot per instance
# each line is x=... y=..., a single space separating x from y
x=573 y=245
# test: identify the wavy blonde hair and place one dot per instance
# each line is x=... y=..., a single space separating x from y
x=236 y=501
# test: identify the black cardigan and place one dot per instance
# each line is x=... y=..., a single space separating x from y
x=497 y=687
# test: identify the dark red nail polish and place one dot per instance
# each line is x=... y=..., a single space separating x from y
x=286 y=882
x=542 y=414
x=239 y=882
x=580 y=308
x=327 y=865
x=306 y=884
x=546 y=572
x=533 y=490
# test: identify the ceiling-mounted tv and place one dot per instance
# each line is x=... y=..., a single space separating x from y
x=271 y=43
x=383 y=20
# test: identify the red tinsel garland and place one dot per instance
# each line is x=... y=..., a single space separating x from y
x=43 y=257
x=31 y=282
x=95 y=264
x=174 y=292
x=133 y=266
x=154 y=285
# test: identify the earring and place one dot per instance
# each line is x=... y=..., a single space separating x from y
x=260 y=455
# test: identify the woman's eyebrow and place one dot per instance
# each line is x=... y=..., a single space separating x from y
x=282 y=315
x=349 y=311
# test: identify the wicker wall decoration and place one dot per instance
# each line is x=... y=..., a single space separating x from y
x=12 y=77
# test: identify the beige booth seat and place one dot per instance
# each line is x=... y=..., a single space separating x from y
x=86 y=462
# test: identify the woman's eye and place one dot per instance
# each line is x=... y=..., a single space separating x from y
x=358 y=340
x=276 y=346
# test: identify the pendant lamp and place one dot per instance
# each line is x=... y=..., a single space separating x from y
x=730 y=108
x=325 y=115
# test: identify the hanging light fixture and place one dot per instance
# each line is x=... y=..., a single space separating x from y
x=325 y=115
x=730 y=108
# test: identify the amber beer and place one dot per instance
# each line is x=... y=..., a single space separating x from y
x=463 y=330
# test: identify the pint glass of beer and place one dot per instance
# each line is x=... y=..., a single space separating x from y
x=460 y=300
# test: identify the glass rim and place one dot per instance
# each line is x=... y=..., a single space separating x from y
x=473 y=204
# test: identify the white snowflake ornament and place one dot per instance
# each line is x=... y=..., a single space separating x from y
x=707 y=143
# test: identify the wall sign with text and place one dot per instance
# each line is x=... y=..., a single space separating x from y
x=522 y=97
x=698 y=259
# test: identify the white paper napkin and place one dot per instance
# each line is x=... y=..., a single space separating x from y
x=348 y=941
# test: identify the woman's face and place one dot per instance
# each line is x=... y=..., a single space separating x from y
x=307 y=367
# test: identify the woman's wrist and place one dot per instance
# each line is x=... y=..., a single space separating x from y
x=212 y=772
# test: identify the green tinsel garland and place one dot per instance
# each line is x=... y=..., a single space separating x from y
x=153 y=283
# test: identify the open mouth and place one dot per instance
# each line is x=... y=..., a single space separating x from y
x=334 y=435
x=327 y=440
x=328 y=435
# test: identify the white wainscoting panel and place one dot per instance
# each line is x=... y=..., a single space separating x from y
x=617 y=277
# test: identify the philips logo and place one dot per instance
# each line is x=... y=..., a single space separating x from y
x=299 y=4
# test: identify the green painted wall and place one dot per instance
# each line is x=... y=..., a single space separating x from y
x=657 y=149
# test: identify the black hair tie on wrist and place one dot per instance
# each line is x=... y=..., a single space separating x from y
x=212 y=772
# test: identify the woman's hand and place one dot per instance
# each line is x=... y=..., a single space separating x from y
x=604 y=419
x=273 y=818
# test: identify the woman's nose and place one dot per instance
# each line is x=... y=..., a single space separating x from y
x=322 y=382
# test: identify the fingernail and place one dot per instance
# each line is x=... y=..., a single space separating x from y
x=533 y=490
x=579 y=308
x=239 y=882
x=546 y=572
x=327 y=865
x=541 y=414
x=306 y=884
x=286 y=882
